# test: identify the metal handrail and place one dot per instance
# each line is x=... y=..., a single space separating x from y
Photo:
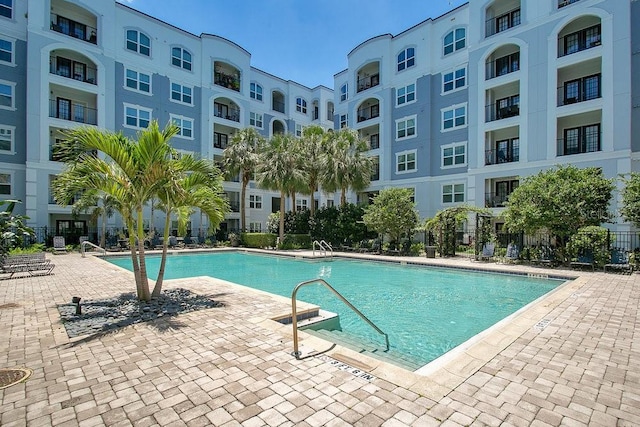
x=85 y=243
x=324 y=246
x=294 y=316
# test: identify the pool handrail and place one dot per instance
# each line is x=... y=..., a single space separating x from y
x=324 y=246
x=88 y=243
x=294 y=317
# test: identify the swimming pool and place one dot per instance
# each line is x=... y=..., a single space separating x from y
x=426 y=311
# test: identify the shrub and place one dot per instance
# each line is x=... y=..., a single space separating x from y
x=259 y=240
x=416 y=249
x=590 y=239
x=296 y=241
x=35 y=248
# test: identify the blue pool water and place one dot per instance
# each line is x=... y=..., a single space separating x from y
x=425 y=311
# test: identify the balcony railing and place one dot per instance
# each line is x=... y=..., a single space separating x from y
x=498 y=112
x=225 y=112
x=69 y=110
x=501 y=66
x=579 y=90
x=68 y=68
x=495 y=200
x=493 y=157
x=277 y=106
x=75 y=29
x=586 y=139
x=563 y=3
x=227 y=80
x=368 y=113
x=365 y=83
x=580 y=40
x=235 y=206
x=502 y=22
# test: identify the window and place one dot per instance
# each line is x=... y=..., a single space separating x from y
x=135 y=80
x=406 y=58
x=583 y=139
x=181 y=58
x=583 y=89
x=506 y=21
x=255 y=201
x=255 y=227
x=6 y=51
x=136 y=117
x=330 y=111
x=406 y=161
x=5 y=184
x=454 y=80
x=181 y=93
x=255 y=91
x=453 y=193
x=298 y=129
x=138 y=42
x=6 y=138
x=406 y=127
x=344 y=120
x=405 y=95
x=255 y=119
x=6 y=95
x=455 y=40
x=344 y=92
x=301 y=105
x=185 y=125
x=220 y=140
x=454 y=117
x=454 y=154
x=6 y=8
x=302 y=205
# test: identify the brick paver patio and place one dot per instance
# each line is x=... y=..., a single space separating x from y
x=231 y=365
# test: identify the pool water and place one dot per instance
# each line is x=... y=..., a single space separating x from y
x=426 y=311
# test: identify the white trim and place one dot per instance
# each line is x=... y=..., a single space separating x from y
x=183 y=119
x=11 y=182
x=453 y=108
x=453 y=146
x=405 y=119
x=12 y=41
x=405 y=95
x=182 y=61
x=12 y=140
x=453 y=82
x=256 y=201
x=137 y=89
x=182 y=87
x=256 y=120
x=12 y=86
x=453 y=192
x=415 y=161
x=138 y=108
x=453 y=43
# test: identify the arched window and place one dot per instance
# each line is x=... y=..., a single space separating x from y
x=138 y=42
x=301 y=105
x=406 y=58
x=255 y=91
x=455 y=40
x=181 y=58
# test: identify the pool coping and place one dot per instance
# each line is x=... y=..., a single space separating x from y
x=441 y=376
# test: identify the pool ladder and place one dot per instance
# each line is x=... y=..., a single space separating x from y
x=294 y=317
x=324 y=247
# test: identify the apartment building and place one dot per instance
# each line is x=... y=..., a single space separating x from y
x=65 y=64
x=459 y=108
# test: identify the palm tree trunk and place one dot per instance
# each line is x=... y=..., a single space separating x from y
x=103 y=232
x=293 y=200
x=312 y=208
x=243 y=218
x=144 y=280
x=281 y=229
x=134 y=257
x=163 y=261
x=343 y=197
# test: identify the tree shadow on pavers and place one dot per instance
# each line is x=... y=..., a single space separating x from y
x=98 y=318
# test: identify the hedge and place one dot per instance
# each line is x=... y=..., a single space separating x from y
x=259 y=240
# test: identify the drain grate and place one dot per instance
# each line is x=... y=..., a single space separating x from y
x=9 y=377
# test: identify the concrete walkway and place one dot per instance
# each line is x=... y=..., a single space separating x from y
x=571 y=358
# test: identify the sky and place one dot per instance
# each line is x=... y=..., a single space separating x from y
x=306 y=41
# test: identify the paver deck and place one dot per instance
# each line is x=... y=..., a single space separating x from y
x=232 y=365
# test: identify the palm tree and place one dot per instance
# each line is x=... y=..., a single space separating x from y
x=313 y=150
x=278 y=169
x=190 y=183
x=100 y=206
x=241 y=157
x=346 y=164
x=132 y=172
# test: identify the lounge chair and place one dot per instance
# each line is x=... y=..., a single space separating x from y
x=189 y=242
x=34 y=264
x=584 y=259
x=546 y=257
x=619 y=261
x=488 y=251
x=513 y=253
x=59 y=246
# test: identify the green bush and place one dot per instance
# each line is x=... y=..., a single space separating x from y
x=592 y=239
x=416 y=249
x=35 y=248
x=259 y=240
x=296 y=241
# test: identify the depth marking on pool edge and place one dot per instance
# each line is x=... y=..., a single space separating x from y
x=345 y=367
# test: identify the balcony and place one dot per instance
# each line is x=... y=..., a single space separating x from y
x=75 y=29
x=502 y=109
x=495 y=200
x=365 y=83
x=368 y=113
x=580 y=140
x=502 y=66
x=497 y=156
x=579 y=40
x=226 y=112
x=579 y=90
x=563 y=3
x=277 y=106
x=71 y=69
x=374 y=141
x=502 y=22
x=220 y=140
x=67 y=109
x=227 y=80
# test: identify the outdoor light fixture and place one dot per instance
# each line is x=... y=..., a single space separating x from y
x=76 y=301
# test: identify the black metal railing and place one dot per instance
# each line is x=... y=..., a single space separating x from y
x=563 y=3
x=225 y=112
x=580 y=40
x=499 y=111
x=579 y=90
x=493 y=157
x=277 y=106
x=367 y=82
x=587 y=139
x=75 y=70
x=368 y=113
x=501 y=66
x=69 y=110
x=495 y=200
x=75 y=29
x=227 y=80
x=502 y=22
